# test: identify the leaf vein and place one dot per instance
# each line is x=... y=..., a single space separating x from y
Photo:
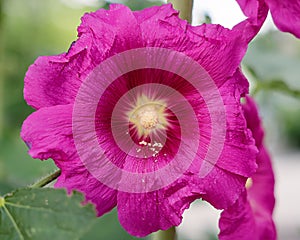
x=30 y=207
x=13 y=222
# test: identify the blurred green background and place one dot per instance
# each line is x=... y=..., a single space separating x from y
x=32 y=28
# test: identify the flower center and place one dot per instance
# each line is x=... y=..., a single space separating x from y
x=148 y=115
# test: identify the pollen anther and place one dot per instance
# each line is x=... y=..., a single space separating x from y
x=148 y=115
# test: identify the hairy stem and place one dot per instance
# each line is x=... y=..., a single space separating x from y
x=46 y=180
x=1 y=70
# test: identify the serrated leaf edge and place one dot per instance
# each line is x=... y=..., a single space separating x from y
x=68 y=194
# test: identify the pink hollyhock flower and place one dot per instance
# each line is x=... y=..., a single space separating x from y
x=256 y=11
x=143 y=112
x=285 y=14
x=251 y=216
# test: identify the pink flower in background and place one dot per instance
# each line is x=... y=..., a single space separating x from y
x=251 y=216
x=256 y=11
x=285 y=13
x=143 y=113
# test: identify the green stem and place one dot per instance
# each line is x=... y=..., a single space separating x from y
x=46 y=180
x=169 y=234
x=184 y=7
x=1 y=71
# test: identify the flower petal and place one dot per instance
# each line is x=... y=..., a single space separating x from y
x=118 y=22
x=217 y=49
x=78 y=178
x=262 y=190
x=48 y=132
x=55 y=80
x=222 y=188
x=251 y=216
x=239 y=151
x=143 y=213
x=286 y=15
x=253 y=121
x=161 y=27
x=256 y=11
x=237 y=222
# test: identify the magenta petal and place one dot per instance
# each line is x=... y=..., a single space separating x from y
x=143 y=213
x=251 y=8
x=213 y=42
x=237 y=222
x=251 y=216
x=238 y=157
x=286 y=15
x=222 y=188
x=48 y=132
x=52 y=80
x=239 y=151
x=262 y=190
x=55 y=80
x=111 y=29
x=256 y=11
x=161 y=27
x=79 y=179
x=253 y=121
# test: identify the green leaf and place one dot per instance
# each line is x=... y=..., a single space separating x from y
x=35 y=214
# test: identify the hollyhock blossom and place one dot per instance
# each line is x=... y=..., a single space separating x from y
x=143 y=112
x=251 y=216
x=256 y=11
x=285 y=14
